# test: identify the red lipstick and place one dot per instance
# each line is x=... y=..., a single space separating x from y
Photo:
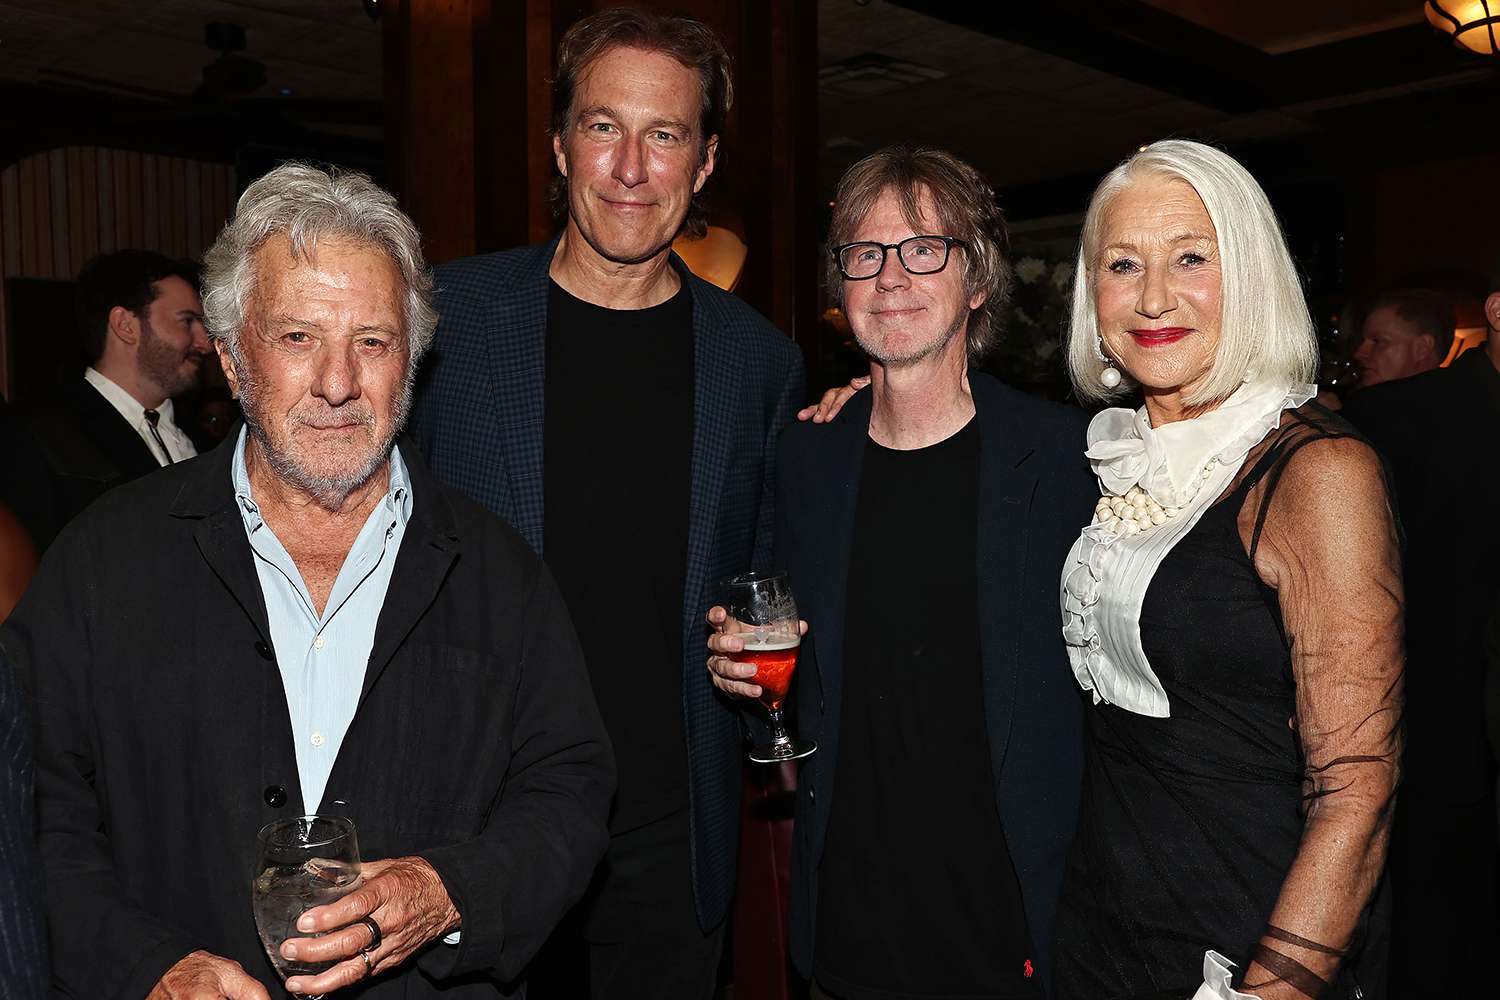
x=1160 y=338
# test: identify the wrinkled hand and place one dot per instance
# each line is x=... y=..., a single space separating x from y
x=833 y=401
x=201 y=976
x=404 y=896
x=729 y=676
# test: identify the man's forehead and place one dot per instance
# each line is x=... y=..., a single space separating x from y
x=627 y=77
x=893 y=208
x=326 y=260
x=1388 y=320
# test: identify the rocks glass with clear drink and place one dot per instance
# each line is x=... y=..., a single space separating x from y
x=300 y=863
x=763 y=613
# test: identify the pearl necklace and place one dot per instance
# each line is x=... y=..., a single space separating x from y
x=1135 y=510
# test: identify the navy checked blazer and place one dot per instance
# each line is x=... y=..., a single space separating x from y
x=478 y=417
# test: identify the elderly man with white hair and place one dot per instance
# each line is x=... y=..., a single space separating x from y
x=306 y=622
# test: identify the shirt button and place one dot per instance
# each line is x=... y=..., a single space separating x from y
x=317 y=739
x=318 y=642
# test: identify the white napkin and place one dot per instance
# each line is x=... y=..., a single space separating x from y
x=1216 y=977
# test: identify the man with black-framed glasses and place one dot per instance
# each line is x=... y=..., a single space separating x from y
x=923 y=530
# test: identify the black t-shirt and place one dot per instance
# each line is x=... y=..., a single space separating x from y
x=618 y=454
x=917 y=896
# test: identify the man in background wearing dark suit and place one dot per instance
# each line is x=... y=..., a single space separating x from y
x=23 y=957
x=1438 y=432
x=622 y=414
x=923 y=531
x=142 y=325
x=1407 y=331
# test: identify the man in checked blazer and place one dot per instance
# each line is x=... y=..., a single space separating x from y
x=622 y=415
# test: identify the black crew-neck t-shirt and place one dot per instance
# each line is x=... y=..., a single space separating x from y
x=917 y=896
x=617 y=460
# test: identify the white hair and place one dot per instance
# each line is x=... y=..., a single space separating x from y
x=306 y=204
x=1265 y=328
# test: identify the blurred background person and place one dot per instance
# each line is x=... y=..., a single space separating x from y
x=142 y=327
x=1406 y=332
x=215 y=412
x=1439 y=431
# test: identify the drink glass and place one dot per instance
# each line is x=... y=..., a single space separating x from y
x=302 y=862
x=763 y=612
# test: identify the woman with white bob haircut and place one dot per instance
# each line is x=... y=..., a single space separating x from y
x=1234 y=610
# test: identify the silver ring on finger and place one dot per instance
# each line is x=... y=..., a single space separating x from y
x=375 y=935
x=369 y=965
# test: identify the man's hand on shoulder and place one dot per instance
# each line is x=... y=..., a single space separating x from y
x=201 y=976
x=832 y=402
x=406 y=899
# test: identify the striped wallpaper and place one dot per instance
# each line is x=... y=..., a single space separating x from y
x=59 y=208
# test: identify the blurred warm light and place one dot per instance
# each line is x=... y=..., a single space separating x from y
x=717 y=258
x=1465 y=338
x=1474 y=24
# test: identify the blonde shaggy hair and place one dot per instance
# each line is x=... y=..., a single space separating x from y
x=1265 y=328
x=965 y=206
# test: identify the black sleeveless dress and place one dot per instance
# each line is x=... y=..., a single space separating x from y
x=1189 y=824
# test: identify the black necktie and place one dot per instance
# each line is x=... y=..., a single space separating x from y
x=151 y=418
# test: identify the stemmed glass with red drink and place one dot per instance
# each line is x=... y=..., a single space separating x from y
x=763 y=613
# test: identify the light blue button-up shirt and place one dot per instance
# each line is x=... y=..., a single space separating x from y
x=323 y=658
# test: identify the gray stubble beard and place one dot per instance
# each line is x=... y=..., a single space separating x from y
x=906 y=360
x=330 y=492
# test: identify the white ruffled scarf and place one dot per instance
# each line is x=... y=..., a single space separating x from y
x=1184 y=465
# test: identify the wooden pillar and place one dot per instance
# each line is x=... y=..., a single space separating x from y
x=467 y=107
x=429 y=88
x=765 y=189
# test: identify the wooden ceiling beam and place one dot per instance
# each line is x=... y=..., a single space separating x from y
x=1137 y=42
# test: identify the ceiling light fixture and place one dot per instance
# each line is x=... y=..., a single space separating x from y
x=1474 y=24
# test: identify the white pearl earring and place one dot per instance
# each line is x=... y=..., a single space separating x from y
x=1111 y=375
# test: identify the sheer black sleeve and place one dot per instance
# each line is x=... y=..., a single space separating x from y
x=1321 y=530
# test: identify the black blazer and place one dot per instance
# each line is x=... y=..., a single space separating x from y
x=23 y=957
x=1035 y=494
x=164 y=743
x=1438 y=433
x=479 y=418
x=89 y=449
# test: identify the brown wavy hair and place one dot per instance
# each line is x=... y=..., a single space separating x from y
x=966 y=209
x=690 y=42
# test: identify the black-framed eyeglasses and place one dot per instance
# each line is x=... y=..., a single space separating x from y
x=918 y=254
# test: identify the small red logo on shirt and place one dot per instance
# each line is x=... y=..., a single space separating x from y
x=1028 y=970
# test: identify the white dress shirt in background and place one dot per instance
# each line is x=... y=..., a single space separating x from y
x=178 y=445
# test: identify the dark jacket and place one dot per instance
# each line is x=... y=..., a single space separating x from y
x=164 y=742
x=88 y=447
x=1439 y=432
x=1035 y=494
x=479 y=418
x=23 y=957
